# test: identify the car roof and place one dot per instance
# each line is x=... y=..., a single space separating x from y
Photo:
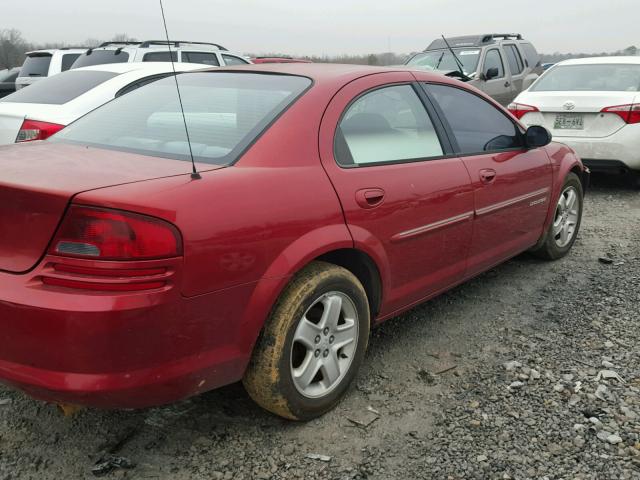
x=601 y=60
x=474 y=40
x=149 y=66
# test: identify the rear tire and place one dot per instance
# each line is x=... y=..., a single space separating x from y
x=312 y=344
x=564 y=228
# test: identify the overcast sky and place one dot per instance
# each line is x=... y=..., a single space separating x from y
x=332 y=26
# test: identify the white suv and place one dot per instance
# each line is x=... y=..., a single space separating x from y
x=210 y=54
x=40 y=64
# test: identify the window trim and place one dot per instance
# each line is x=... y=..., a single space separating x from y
x=447 y=148
x=484 y=60
x=449 y=131
x=506 y=47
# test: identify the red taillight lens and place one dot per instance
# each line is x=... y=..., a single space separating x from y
x=630 y=113
x=32 y=130
x=519 y=110
x=102 y=234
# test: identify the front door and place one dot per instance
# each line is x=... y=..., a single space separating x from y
x=512 y=184
x=405 y=204
x=495 y=79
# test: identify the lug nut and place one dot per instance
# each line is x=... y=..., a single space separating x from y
x=326 y=330
x=331 y=339
x=317 y=353
x=317 y=338
x=325 y=354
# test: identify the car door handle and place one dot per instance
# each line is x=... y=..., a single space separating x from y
x=370 y=197
x=487 y=175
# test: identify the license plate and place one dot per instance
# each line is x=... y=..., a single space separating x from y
x=569 y=121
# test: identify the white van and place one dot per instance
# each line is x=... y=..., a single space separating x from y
x=41 y=64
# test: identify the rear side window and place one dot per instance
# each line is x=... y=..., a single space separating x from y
x=36 y=65
x=101 y=57
x=201 y=57
x=68 y=59
x=493 y=59
x=233 y=60
x=477 y=125
x=533 y=59
x=515 y=61
x=60 y=88
x=386 y=125
x=160 y=57
x=224 y=111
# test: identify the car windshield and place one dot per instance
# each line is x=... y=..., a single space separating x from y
x=590 y=78
x=36 y=65
x=100 y=57
x=60 y=88
x=224 y=113
x=443 y=60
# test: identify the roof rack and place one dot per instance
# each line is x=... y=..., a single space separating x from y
x=177 y=43
x=488 y=37
x=286 y=57
x=106 y=44
x=73 y=48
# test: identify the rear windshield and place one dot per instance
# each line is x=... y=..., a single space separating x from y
x=60 y=88
x=36 y=65
x=224 y=113
x=100 y=57
x=590 y=78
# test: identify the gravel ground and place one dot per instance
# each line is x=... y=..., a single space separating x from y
x=530 y=371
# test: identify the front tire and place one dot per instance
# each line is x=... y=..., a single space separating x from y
x=312 y=344
x=564 y=228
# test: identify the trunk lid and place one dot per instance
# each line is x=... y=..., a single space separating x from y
x=583 y=108
x=39 y=179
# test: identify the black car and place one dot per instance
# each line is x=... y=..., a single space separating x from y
x=8 y=81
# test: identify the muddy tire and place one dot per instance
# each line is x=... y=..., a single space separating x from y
x=312 y=344
x=564 y=228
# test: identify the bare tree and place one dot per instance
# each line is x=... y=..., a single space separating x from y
x=12 y=48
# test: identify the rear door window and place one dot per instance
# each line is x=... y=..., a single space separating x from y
x=60 y=88
x=36 y=65
x=477 y=125
x=101 y=57
x=233 y=60
x=67 y=60
x=389 y=124
x=205 y=58
x=515 y=61
x=160 y=57
x=493 y=59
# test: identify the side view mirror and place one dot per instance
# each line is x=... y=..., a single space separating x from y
x=491 y=73
x=537 y=136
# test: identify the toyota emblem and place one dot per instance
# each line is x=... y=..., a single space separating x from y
x=569 y=105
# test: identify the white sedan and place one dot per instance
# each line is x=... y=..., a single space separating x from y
x=37 y=112
x=592 y=105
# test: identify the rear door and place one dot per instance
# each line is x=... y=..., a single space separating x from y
x=512 y=185
x=406 y=203
x=516 y=66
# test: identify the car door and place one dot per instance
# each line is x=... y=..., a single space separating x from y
x=497 y=87
x=516 y=69
x=512 y=184
x=405 y=202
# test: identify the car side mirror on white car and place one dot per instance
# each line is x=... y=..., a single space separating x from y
x=537 y=136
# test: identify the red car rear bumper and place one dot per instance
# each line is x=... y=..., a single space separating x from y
x=119 y=350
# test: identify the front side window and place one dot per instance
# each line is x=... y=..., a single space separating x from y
x=232 y=60
x=201 y=57
x=224 y=113
x=477 y=125
x=515 y=61
x=67 y=60
x=493 y=60
x=389 y=124
x=160 y=57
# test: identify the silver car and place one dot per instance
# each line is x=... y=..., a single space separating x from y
x=500 y=64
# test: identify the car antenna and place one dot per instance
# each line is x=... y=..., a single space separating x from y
x=455 y=57
x=194 y=172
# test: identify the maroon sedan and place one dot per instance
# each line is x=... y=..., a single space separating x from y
x=327 y=199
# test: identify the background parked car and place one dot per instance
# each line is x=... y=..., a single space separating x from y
x=279 y=60
x=592 y=105
x=210 y=54
x=40 y=64
x=8 y=81
x=501 y=65
x=37 y=112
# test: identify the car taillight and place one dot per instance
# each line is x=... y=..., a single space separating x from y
x=630 y=113
x=519 y=110
x=32 y=130
x=104 y=234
